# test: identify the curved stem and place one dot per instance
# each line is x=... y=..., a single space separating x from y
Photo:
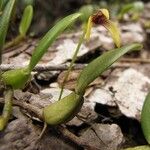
x=72 y=62
x=43 y=130
x=7 y=110
x=14 y=42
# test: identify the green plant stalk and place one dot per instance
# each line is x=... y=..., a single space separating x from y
x=7 y=110
x=4 y=23
x=14 y=42
x=72 y=62
x=100 y=64
x=145 y=118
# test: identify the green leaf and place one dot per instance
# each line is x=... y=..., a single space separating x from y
x=4 y=22
x=145 y=118
x=18 y=78
x=26 y=20
x=100 y=64
x=50 y=37
x=63 y=110
x=143 y=147
x=136 y=6
x=3 y=4
x=124 y=10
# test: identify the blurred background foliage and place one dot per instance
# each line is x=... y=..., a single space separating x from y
x=47 y=12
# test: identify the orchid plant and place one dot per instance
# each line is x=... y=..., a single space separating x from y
x=70 y=105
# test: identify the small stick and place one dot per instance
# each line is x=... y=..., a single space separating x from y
x=39 y=68
x=135 y=60
x=6 y=67
x=91 y=127
x=43 y=131
x=30 y=108
x=66 y=133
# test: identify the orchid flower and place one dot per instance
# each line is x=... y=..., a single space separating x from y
x=101 y=17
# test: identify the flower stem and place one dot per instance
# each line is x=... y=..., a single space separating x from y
x=14 y=42
x=72 y=62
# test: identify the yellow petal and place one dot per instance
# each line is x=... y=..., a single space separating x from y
x=105 y=12
x=88 y=29
x=114 y=31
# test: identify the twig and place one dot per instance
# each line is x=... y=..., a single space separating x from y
x=66 y=133
x=39 y=68
x=91 y=127
x=135 y=60
x=6 y=67
x=43 y=131
x=30 y=108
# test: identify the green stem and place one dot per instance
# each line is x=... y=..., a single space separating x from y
x=72 y=62
x=7 y=110
x=14 y=42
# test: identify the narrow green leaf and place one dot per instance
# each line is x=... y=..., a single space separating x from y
x=145 y=118
x=4 y=22
x=50 y=37
x=2 y=4
x=26 y=20
x=135 y=6
x=143 y=147
x=100 y=64
x=124 y=10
